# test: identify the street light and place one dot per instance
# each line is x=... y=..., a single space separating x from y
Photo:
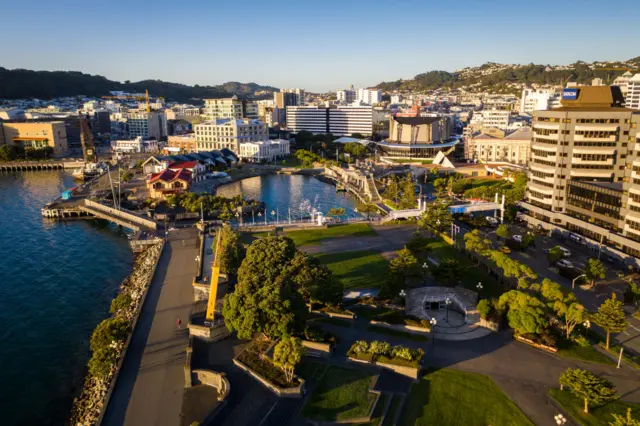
x=573 y=282
x=447 y=302
x=587 y=326
x=560 y=419
x=479 y=286
x=433 y=323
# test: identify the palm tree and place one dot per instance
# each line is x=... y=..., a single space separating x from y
x=336 y=212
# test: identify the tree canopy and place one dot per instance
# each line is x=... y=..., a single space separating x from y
x=525 y=313
x=287 y=354
x=593 y=390
x=232 y=250
x=594 y=270
x=611 y=317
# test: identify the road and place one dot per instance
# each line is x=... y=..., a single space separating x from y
x=151 y=382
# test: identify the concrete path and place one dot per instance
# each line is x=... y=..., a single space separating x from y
x=150 y=385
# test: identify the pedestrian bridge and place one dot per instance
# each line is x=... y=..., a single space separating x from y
x=123 y=218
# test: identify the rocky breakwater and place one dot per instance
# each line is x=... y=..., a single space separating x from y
x=110 y=340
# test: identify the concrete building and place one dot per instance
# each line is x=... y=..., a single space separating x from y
x=418 y=137
x=496 y=118
x=346 y=96
x=337 y=120
x=584 y=173
x=137 y=145
x=622 y=82
x=145 y=124
x=396 y=99
x=268 y=150
x=535 y=100
x=229 y=108
x=495 y=145
x=229 y=133
x=632 y=100
x=11 y=114
x=184 y=143
x=36 y=135
x=369 y=96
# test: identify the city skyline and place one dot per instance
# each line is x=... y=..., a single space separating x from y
x=319 y=47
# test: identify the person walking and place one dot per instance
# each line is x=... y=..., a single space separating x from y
x=179 y=323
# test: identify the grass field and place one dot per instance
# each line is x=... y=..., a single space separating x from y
x=589 y=354
x=314 y=236
x=448 y=398
x=343 y=393
x=597 y=415
x=357 y=269
x=472 y=274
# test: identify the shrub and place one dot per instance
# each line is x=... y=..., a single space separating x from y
x=484 y=308
x=314 y=333
x=102 y=361
x=548 y=339
x=406 y=353
x=378 y=347
x=581 y=341
x=120 y=303
x=110 y=330
x=360 y=347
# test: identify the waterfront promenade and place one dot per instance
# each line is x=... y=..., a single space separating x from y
x=151 y=382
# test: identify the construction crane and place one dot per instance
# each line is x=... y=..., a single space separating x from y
x=144 y=98
x=86 y=141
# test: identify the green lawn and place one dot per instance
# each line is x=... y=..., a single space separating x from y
x=343 y=393
x=376 y=416
x=472 y=274
x=589 y=354
x=357 y=269
x=290 y=162
x=309 y=237
x=449 y=397
x=597 y=415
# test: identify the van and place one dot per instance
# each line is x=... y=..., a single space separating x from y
x=565 y=251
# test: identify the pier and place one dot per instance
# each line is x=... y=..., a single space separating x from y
x=41 y=165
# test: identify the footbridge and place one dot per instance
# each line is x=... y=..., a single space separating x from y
x=123 y=218
x=453 y=209
x=360 y=183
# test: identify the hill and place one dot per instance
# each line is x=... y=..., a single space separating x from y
x=23 y=84
x=511 y=77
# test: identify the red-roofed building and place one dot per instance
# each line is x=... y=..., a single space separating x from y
x=197 y=168
x=169 y=182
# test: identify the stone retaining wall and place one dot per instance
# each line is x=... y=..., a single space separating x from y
x=536 y=345
x=406 y=328
x=348 y=315
x=324 y=349
x=216 y=332
x=295 y=392
x=491 y=325
x=412 y=372
x=214 y=379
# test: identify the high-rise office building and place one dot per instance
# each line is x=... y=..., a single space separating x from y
x=632 y=100
x=229 y=108
x=584 y=170
x=146 y=124
x=339 y=121
x=229 y=133
x=346 y=96
x=369 y=96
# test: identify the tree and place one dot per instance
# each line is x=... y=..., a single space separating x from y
x=115 y=329
x=367 y=208
x=594 y=270
x=265 y=299
x=610 y=317
x=627 y=420
x=525 y=313
x=512 y=268
x=226 y=214
x=448 y=271
x=408 y=199
x=436 y=216
x=314 y=280
x=503 y=231
x=120 y=304
x=587 y=386
x=336 y=212
x=476 y=243
x=102 y=361
x=440 y=186
x=528 y=239
x=8 y=152
x=554 y=254
x=401 y=269
x=574 y=315
x=125 y=175
x=392 y=190
x=287 y=354
x=232 y=250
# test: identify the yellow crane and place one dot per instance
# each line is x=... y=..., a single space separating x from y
x=144 y=98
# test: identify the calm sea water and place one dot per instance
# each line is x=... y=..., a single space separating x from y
x=296 y=193
x=57 y=280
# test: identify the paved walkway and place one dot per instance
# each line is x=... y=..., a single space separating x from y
x=150 y=386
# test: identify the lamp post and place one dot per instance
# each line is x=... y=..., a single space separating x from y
x=403 y=294
x=479 y=286
x=433 y=323
x=425 y=269
x=587 y=326
x=273 y=213
x=573 y=282
x=560 y=419
x=447 y=302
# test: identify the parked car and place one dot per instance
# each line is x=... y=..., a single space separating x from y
x=517 y=238
x=492 y=220
x=575 y=238
x=505 y=249
x=566 y=252
x=564 y=263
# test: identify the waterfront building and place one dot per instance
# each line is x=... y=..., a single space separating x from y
x=337 y=120
x=495 y=145
x=418 y=137
x=168 y=182
x=229 y=108
x=137 y=145
x=632 y=100
x=36 y=135
x=184 y=143
x=268 y=150
x=369 y=96
x=584 y=173
x=229 y=133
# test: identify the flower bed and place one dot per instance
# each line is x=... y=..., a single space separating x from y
x=377 y=351
x=254 y=358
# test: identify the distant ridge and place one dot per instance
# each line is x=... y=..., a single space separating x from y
x=23 y=84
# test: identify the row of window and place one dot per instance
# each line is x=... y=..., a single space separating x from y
x=593 y=157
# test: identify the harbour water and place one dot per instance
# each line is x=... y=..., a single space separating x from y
x=294 y=196
x=57 y=280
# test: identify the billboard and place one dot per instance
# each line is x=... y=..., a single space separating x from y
x=570 y=94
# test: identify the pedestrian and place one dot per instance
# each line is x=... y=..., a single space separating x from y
x=179 y=323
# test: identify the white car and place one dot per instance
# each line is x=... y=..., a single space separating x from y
x=492 y=220
x=565 y=251
x=517 y=238
x=564 y=263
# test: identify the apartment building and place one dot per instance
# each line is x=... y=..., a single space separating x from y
x=496 y=118
x=146 y=124
x=622 y=81
x=230 y=108
x=369 y=96
x=36 y=135
x=495 y=145
x=346 y=96
x=229 y=133
x=584 y=170
x=268 y=150
x=339 y=121
x=632 y=100
x=183 y=143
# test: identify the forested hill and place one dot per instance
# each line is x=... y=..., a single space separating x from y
x=22 y=84
x=505 y=77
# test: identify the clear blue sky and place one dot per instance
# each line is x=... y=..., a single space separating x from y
x=317 y=45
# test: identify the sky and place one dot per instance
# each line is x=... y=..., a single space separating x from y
x=317 y=45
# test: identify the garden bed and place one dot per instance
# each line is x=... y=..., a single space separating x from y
x=601 y=415
x=253 y=357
